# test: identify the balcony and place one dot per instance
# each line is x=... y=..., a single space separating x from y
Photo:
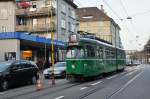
x=21 y=28
x=44 y=11
x=35 y=28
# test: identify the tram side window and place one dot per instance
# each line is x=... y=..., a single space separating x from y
x=100 y=53
x=110 y=54
x=107 y=52
x=90 y=51
x=120 y=55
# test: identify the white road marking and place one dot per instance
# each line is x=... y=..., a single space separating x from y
x=2 y=93
x=60 y=97
x=83 y=88
x=96 y=83
x=112 y=77
x=131 y=73
x=122 y=73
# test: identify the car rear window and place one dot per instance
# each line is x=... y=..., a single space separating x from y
x=60 y=64
x=4 y=65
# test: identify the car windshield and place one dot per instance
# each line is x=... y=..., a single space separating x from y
x=4 y=65
x=60 y=64
x=75 y=53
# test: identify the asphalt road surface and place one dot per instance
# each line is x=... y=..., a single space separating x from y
x=133 y=83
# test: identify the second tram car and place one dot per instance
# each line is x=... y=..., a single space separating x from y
x=89 y=58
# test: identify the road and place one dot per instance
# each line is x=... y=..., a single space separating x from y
x=133 y=83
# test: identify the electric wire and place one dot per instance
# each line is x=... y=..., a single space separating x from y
x=141 y=13
x=122 y=4
x=79 y=3
x=112 y=9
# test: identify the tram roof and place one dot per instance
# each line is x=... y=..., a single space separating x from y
x=99 y=42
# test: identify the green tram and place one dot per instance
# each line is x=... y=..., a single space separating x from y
x=89 y=58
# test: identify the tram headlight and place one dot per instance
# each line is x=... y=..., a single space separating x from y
x=73 y=66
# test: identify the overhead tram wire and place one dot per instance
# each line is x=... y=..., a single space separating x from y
x=78 y=3
x=141 y=13
x=133 y=26
x=119 y=18
x=124 y=8
x=127 y=15
x=112 y=10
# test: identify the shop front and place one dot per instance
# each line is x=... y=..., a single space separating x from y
x=21 y=46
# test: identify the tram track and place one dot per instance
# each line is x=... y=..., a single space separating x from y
x=117 y=90
x=52 y=92
x=33 y=94
x=124 y=86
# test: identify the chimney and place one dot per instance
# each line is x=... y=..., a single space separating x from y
x=102 y=9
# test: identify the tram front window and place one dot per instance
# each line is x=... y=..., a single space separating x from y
x=75 y=53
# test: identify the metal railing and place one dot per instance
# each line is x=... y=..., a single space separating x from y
x=36 y=28
x=37 y=12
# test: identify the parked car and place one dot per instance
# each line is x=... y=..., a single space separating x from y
x=59 y=70
x=133 y=63
x=17 y=72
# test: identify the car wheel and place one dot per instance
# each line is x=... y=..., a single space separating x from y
x=4 y=85
x=33 y=80
x=47 y=77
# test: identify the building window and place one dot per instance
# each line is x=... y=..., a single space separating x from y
x=50 y=3
x=72 y=28
x=63 y=23
x=63 y=8
x=34 y=22
x=3 y=14
x=34 y=5
x=69 y=26
x=72 y=13
x=21 y=21
x=3 y=28
x=47 y=2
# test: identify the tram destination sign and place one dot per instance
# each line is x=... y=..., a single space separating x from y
x=73 y=40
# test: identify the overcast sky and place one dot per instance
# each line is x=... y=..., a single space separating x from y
x=134 y=33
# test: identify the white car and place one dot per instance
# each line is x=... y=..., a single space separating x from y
x=59 y=70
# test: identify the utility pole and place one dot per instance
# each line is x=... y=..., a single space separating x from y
x=52 y=47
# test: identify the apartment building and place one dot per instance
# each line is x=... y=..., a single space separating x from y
x=96 y=21
x=66 y=18
x=7 y=16
x=28 y=24
x=37 y=17
x=41 y=17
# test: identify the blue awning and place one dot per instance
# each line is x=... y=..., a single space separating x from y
x=24 y=36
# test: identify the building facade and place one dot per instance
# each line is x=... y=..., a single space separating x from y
x=35 y=20
x=7 y=16
x=66 y=18
x=97 y=22
x=42 y=17
x=37 y=17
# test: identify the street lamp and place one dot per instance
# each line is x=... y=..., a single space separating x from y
x=129 y=18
